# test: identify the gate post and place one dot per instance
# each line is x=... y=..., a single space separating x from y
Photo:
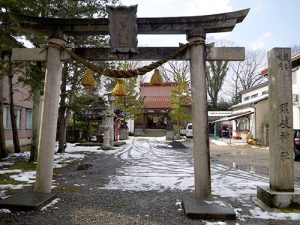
x=199 y=115
x=199 y=205
x=281 y=192
x=44 y=171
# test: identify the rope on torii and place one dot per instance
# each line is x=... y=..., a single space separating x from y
x=125 y=73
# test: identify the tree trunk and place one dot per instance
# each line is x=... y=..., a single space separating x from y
x=61 y=112
x=68 y=116
x=3 y=150
x=12 y=113
x=34 y=129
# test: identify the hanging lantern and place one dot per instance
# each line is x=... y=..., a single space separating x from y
x=88 y=80
x=119 y=89
x=156 y=78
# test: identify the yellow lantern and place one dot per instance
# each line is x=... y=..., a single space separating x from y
x=156 y=78
x=119 y=89
x=88 y=80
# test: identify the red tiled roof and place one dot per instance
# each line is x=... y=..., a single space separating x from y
x=156 y=96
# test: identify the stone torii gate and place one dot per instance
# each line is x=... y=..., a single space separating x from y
x=123 y=27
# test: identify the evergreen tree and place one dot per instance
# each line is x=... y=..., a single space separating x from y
x=132 y=104
x=180 y=99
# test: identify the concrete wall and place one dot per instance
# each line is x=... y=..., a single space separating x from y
x=257 y=92
x=262 y=122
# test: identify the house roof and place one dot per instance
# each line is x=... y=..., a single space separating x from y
x=233 y=116
x=156 y=96
x=295 y=62
x=255 y=87
x=251 y=101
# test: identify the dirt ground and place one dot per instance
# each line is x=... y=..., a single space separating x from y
x=244 y=157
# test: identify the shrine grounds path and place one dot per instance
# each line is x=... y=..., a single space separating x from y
x=143 y=183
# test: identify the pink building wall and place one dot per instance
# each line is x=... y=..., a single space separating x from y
x=23 y=101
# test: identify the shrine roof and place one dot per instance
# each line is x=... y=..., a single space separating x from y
x=157 y=96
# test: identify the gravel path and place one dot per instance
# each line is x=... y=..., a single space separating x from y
x=85 y=191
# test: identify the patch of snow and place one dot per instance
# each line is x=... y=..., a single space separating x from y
x=28 y=177
x=220 y=203
x=71 y=148
x=5 y=164
x=60 y=160
x=150 y=168
x=11 y=186
x=10 y=171
x=50 y=204
x=24 y=155
x=4 y=211
x=259 y=214
x=215 y=223
x=218 y=142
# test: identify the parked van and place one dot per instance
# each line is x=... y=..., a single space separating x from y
x=189 y=130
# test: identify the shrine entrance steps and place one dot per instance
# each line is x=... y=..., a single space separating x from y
x=150 y=132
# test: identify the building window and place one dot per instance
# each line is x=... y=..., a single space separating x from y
x=28 y=119
x=7 y=120
x=265 y=92
x=246 y=98
x=254 y=96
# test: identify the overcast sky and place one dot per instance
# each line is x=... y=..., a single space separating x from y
x=270 y=23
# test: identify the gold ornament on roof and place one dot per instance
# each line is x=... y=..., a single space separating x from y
x=156 y=78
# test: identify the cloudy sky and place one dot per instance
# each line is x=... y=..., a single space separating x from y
x=270 y=23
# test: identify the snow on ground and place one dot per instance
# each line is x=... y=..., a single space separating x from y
x=27 y=178
x=51 y=204
x=148 y=166
x=218 y=142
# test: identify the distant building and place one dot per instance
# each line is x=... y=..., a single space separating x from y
x=250 y=118
x=23 y=111
x=156 y=106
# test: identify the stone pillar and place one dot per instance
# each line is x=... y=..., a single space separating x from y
x=107 y=133
x=281 y=192
x=200 y=117
x=281 y=120
x=111 y=130
x=44 y=170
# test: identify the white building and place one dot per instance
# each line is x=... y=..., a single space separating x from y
x=250 y=118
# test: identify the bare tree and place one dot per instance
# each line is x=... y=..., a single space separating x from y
x=216 y=72
x=295 y=49
x=246 y=74
x=176 y=71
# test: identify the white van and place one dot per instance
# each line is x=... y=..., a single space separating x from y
x=189 y=130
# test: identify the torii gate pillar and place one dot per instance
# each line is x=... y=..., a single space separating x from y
x=44 y=171
x=199 y=115
x=196 y=205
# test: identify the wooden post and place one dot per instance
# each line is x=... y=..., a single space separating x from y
x=49 y=119
x=200 y=117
